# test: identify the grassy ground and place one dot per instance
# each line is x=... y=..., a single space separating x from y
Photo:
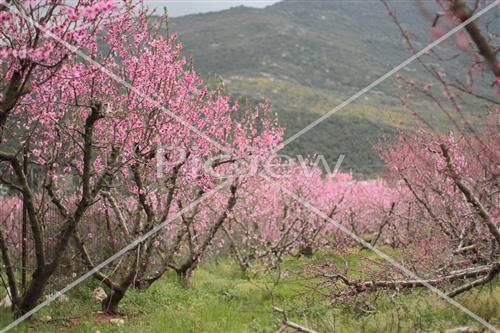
x=220 y=299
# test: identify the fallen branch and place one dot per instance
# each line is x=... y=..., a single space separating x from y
x=291 y=324
x=486 y=274
x=483 y=280
x=464 y=329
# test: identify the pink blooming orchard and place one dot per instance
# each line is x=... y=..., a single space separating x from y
x=268 y=223
x=444 y=216
x=117 y=149
x=51 y=111
x=443 y=207
x=438 y=208
x=93 y=139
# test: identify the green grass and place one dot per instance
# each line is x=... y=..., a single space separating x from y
x=220 y=299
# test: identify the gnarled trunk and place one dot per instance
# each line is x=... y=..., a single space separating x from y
x=34 y=292
x=110 y=304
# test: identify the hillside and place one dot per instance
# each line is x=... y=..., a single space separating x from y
x=267 y=55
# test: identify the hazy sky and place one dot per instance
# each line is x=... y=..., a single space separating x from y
x=184 y=7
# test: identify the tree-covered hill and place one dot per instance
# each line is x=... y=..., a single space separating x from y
x=305 y=58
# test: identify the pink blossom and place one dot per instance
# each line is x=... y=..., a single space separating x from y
x=462 y=40
x=437 y=31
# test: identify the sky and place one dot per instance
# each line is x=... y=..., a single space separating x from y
x=185 y=7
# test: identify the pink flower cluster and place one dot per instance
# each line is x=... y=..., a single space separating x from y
x=92 y=11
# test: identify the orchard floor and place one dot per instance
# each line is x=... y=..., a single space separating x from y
x=220 y=299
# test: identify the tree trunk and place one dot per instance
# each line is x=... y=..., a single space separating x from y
x=110 y=303
x=34 y=292
x=184 y=274
x=306 y=251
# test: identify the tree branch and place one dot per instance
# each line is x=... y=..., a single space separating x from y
x=291 y=324
x=469 y=195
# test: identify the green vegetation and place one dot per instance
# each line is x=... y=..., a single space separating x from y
x=220 y=299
